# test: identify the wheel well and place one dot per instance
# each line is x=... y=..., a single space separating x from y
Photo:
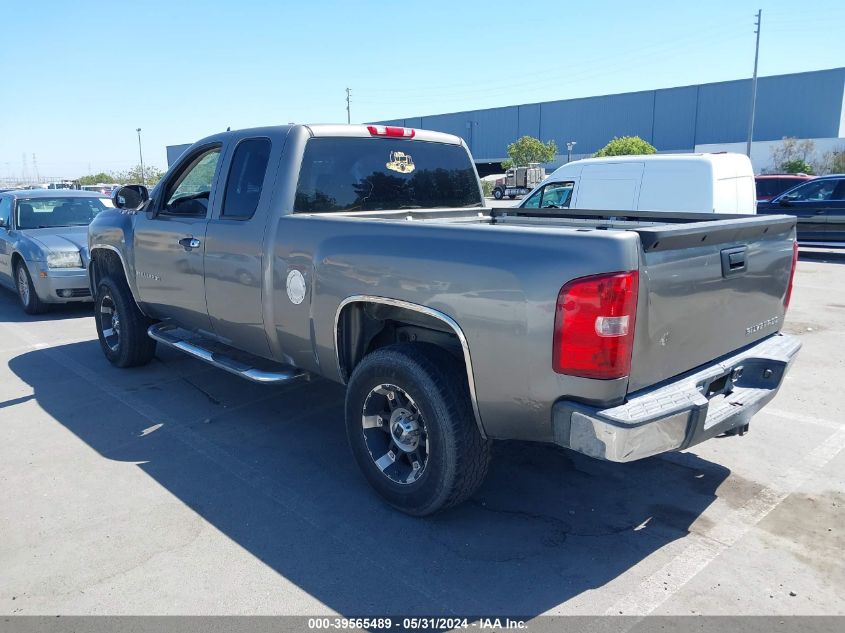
x=104 y=263
x=16 y=257
x=365 y=326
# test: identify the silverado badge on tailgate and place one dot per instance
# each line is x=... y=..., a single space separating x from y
x=753 y=329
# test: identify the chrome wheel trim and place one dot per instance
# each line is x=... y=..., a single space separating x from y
x=23 y=285
x=395 y=434
x=108 y=319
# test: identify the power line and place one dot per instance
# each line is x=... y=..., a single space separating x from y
x=400 y=96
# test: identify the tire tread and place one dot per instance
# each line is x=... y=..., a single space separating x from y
x=462 y=436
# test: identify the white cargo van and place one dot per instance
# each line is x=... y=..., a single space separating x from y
x=714 y=183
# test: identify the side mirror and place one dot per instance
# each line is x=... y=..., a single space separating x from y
x=130 y=197
x=785 y=202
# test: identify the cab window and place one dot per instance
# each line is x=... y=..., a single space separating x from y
x=533 y=201
x=187 y=194
x=246 y=178
x=555 y=195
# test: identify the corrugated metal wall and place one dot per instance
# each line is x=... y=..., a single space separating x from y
x=804 y=105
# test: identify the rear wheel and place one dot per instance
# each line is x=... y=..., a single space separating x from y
x=27 y=295
x=121 y=327
x=412 y=430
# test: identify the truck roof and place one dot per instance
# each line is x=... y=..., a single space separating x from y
x=341 y=130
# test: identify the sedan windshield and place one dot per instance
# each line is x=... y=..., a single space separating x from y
x=43 y=213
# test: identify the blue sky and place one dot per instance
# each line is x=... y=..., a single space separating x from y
x=80 y=76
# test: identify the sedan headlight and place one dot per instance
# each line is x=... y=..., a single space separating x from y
x=64 y=260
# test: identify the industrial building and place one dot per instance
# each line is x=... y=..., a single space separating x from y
x=700 y=118
x=704 y=118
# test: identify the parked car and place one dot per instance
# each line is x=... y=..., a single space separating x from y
x=279 y=252
x=706 y=183
x=771 y=185
x=43 y=251
x=819 y=206
x=101 y=188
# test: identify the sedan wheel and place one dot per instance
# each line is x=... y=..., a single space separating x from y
x=23 y=285
x=30 y=302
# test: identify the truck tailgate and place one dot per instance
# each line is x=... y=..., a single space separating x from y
x=706 y=290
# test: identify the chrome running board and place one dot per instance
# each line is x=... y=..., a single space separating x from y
x=197 y=347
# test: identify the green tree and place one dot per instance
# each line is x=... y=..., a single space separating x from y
x=129 y=176
x=94 y=179
x=792 y=152
x=529 y=150
x=796 y=166
x=133 y=175
x=626 y=146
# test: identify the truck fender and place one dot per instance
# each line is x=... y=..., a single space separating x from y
x=430 y=312
x=93 y=270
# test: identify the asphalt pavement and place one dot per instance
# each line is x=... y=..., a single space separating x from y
x=180 y=489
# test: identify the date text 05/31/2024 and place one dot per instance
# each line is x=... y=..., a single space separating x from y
x=435 y=624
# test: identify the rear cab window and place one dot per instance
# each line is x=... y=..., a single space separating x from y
x=374 y=174
x=246 y=178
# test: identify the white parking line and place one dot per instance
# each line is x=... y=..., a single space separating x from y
x=703 y=549
x=806 y=419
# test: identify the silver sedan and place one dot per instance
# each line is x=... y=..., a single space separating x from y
x=43 y=245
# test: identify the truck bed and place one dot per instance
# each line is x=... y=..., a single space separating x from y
x=693 y=306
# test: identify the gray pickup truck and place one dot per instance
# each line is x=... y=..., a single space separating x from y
x=364 y=254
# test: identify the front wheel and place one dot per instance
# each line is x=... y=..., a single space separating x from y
x=498 y=194
x=30 y=302
x=121 y=327
x=412 y=430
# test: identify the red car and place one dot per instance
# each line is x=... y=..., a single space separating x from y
x=771 y=185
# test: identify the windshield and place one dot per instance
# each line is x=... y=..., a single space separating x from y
x=372 y=174
x=43 y=213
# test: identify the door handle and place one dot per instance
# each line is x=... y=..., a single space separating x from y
x=190 y=243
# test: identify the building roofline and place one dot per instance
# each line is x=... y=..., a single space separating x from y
x=617 y=94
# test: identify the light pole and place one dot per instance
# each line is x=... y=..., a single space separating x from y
x=757 y=24
x=141 y=155
x=569 y=146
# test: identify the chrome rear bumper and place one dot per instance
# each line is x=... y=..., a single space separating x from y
x=673 y=416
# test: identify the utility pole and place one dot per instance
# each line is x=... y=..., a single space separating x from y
x=754 y=84
x=141 y=155
x=348 y=111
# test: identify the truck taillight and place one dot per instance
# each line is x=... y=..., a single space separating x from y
x=788 y=294
x=594 y=326
x=392 y=131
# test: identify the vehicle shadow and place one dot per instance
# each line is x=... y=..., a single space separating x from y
x=270 y=468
